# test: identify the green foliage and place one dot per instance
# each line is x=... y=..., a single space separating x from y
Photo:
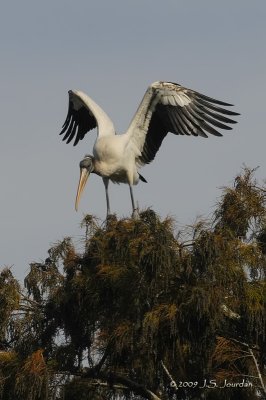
x=141 y=307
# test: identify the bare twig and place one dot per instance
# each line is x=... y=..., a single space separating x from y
x=251 y=354
x=258 y=370
x=255 y=347
x=98 y=382
x=173 y=383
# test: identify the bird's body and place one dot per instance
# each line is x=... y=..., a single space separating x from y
x=165 y=107
x=113 y=159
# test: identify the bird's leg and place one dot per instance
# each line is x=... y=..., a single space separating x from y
x=135 y=213
x=106 y=183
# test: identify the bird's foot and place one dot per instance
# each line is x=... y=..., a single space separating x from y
x=135 y=214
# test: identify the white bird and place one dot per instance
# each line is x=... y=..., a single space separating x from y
x=165 y=107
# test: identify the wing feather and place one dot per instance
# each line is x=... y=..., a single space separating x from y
x=207 y=105
x=194 y=121
x=215 y=115
x=84 y=115
x=170 y=107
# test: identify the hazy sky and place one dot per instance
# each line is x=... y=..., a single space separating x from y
x=113 y=50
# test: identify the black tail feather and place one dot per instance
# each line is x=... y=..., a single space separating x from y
x=142 y=178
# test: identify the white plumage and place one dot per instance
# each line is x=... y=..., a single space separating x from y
x=165 y=107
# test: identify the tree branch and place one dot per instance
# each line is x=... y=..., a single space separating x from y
x=251 y=354
x=255 y=347
x=114 y=380
x=106 y=384
x=258 y=370
x=111 y=379
x=98 y=367
x=173 y=383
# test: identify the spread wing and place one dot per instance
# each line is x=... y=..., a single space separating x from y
x=84 y=115
x=170 y=107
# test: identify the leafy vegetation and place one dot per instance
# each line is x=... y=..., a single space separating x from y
x=144 y=312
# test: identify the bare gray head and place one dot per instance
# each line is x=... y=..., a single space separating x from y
x=87 y=163
x=86 y=167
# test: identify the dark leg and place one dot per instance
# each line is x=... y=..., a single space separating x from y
x=135 y=213
x=106 y=183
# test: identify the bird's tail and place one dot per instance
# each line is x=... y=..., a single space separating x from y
x=142 y=178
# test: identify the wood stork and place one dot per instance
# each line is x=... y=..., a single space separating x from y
x=165 y=107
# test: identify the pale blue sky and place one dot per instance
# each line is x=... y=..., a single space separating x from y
x=113 y=50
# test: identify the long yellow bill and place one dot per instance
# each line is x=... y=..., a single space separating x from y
x=84 y=174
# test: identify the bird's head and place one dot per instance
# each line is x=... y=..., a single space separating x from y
x=86 y=167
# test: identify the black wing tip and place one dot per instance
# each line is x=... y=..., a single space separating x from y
x=215 y=101
x=212 y=100
x=202 y=134
x=64 y=127
x=64 y=139
x=233 y=112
